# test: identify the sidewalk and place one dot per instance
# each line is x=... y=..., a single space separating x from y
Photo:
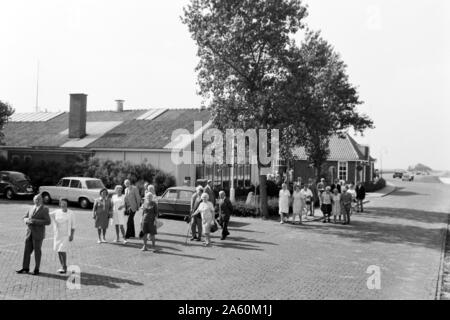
x=390 y=187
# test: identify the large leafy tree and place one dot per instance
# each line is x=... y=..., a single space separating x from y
x=242 y=45
x=318 y=100
x=6 y=111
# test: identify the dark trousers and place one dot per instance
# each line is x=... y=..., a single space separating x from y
x=131 y=233
x=359 y=204
x=347 y=208
x=224 y=223
x=30 y=246
x=196 y=227
x=326 y=210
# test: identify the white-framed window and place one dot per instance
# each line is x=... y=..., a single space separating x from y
x=343 y=170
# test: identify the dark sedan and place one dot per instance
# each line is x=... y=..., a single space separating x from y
x=176 y=201
x=13 y=184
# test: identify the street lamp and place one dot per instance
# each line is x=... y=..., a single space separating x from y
x=383 y=150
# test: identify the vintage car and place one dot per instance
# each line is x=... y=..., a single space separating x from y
x=408 y=177
x=398 y=174
x=81 y=190
x=176 y=201
x=13 y=184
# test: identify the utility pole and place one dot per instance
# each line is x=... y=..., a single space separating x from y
x=37 y=88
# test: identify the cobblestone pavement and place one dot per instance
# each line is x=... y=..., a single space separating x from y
x=401 y=234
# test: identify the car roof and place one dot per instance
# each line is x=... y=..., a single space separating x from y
x=182 y=188
x=4 y=171
x=80 y=178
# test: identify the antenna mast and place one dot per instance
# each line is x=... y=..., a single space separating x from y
x=37 y=88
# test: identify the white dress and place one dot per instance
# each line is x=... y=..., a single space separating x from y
x=63 y=223
x=336 y=204
x=283 y=201
x=118 y=214
x=207 y=213
x=299 y=202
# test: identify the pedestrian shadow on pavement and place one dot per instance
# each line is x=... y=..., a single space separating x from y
x=237 y=224
x=400 y=193
x=91 y=279
x=183 y=255
x=135 y=246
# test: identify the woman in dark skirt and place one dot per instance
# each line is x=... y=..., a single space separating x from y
x=149 y=220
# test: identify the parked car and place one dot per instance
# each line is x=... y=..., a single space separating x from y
x=398 y=174
x=81 y=190
x=176 y=201
x=408 y=177
x=13 y=184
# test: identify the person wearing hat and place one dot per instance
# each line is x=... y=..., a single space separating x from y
x=101 y=213
x=208 y=189
x=196 y=221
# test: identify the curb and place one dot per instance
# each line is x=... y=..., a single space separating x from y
x=440 y=279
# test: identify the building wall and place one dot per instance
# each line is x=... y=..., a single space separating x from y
x=160 y=160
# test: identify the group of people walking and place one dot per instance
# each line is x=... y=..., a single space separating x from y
x=203 y=218
x=114 y=210
x=339 y=200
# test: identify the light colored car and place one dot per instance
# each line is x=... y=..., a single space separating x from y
x=408 y=177
x=82 y=190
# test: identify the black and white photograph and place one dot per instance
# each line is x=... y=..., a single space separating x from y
x=241 y=151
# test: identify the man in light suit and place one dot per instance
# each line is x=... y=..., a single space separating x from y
x=36 y=219
x=132 y=204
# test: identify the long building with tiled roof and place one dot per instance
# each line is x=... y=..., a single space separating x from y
x=145 y=135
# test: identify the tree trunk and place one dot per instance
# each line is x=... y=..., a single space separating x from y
x=263 y=194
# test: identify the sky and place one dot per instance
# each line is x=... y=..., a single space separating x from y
x=397 y=52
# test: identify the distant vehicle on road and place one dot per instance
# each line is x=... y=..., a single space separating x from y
x=176 y=201
x=398 y=174
x=408 y=177
x=81 y=190
x=13 y=184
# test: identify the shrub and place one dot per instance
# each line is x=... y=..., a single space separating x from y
x=375 y=186
x=273 y=189
x=241 y=209
x=112 y=173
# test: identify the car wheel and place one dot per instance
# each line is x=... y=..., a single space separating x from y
x=84 y=203
x=9 y=194
x=46 y=198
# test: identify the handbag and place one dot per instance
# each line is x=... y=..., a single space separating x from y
x=214 y=228
x=159 y=224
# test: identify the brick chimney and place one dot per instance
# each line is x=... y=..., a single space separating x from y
x=77 y=115
x=119 y=107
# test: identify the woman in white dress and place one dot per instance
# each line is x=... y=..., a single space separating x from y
x=283 y=202
x=118 y=200
x=207 y=212
x=336 y=204
x=63 y=232
x=298 y=204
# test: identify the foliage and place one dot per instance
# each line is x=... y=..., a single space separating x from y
x=319 y=100
x=112 y=173
x=420 y=167
x=6 y=111
x=241 y=209
x=373 y=186
x=273 y=189
x=241 y=46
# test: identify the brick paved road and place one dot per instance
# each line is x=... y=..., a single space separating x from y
x=401 y=234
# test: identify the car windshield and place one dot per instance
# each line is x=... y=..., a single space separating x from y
x=18 y=176
x=94 y=184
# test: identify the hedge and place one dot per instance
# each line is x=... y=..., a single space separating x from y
x=112 y=173
x=372 y=186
